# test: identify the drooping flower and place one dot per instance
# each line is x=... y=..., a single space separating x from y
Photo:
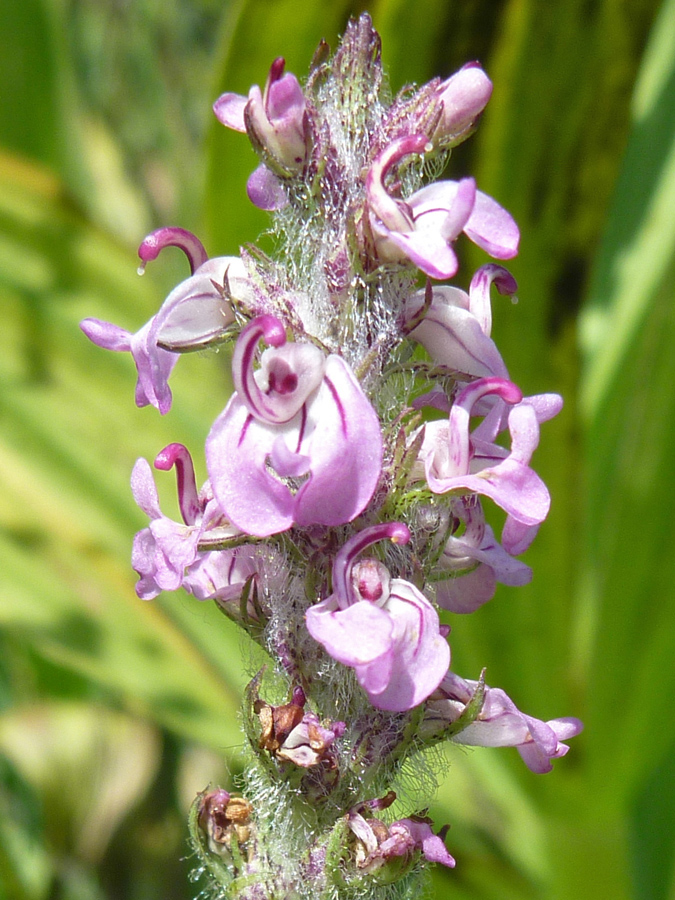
x=475 y=562
x=196 y=313
x=382 y=627
x=423 y=227
x=225 y=820
x=501 y=724
x=275 y=121
x=455 y=460
x=455 y=327
x=294 y=734
x=299 y=442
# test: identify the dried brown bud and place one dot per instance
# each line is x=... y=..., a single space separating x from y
x=222 y=816
x=277 y=722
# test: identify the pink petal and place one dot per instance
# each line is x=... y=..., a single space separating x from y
x=421 y=655
x=106 y=335
x=265 y=190
x=344 y=444
x=357 y=636
x=465 y=593
x=144 y=489
x=493 y=228
x=428 y=250
x=249 y=495
x=229 y=109
x=453 y=337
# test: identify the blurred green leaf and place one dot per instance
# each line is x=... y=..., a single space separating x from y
x=68 y=419
x=39 y=115
x=653 y=833
x=29 y=103
x=629 y=406
x=547 y=150
x=25 y=868
x=90 y=764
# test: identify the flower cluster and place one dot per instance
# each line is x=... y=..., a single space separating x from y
x=346 y=475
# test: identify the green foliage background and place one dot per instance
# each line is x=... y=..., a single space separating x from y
x=114 y=712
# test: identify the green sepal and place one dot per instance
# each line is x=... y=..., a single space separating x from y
x=395 y=868
x=251 y=723
x=471 y=711
x=337 y=855
x=468 y=715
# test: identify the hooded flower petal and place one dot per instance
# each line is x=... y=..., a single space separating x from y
x=305 y=414
x=390 y=636
x=423 y=227
x=453 y=336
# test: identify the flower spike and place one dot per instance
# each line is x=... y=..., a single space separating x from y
x=340 y=439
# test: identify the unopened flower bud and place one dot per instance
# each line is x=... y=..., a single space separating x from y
x=275 y=120
x=464 y=97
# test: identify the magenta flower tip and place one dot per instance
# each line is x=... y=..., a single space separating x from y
x=170 y=455
x=154 y=243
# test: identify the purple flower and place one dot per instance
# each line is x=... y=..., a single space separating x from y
x=464 y=97
x=423 y=228
x=221 y=575
x=197 y=312
x=458 y=461
x=501 y=724
x=477 y=563
x=418 y=831
x=275 y=121
x=298 y=444
x=455 y=328
x=382 y=627
x=165 y=553
x=396 y=846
